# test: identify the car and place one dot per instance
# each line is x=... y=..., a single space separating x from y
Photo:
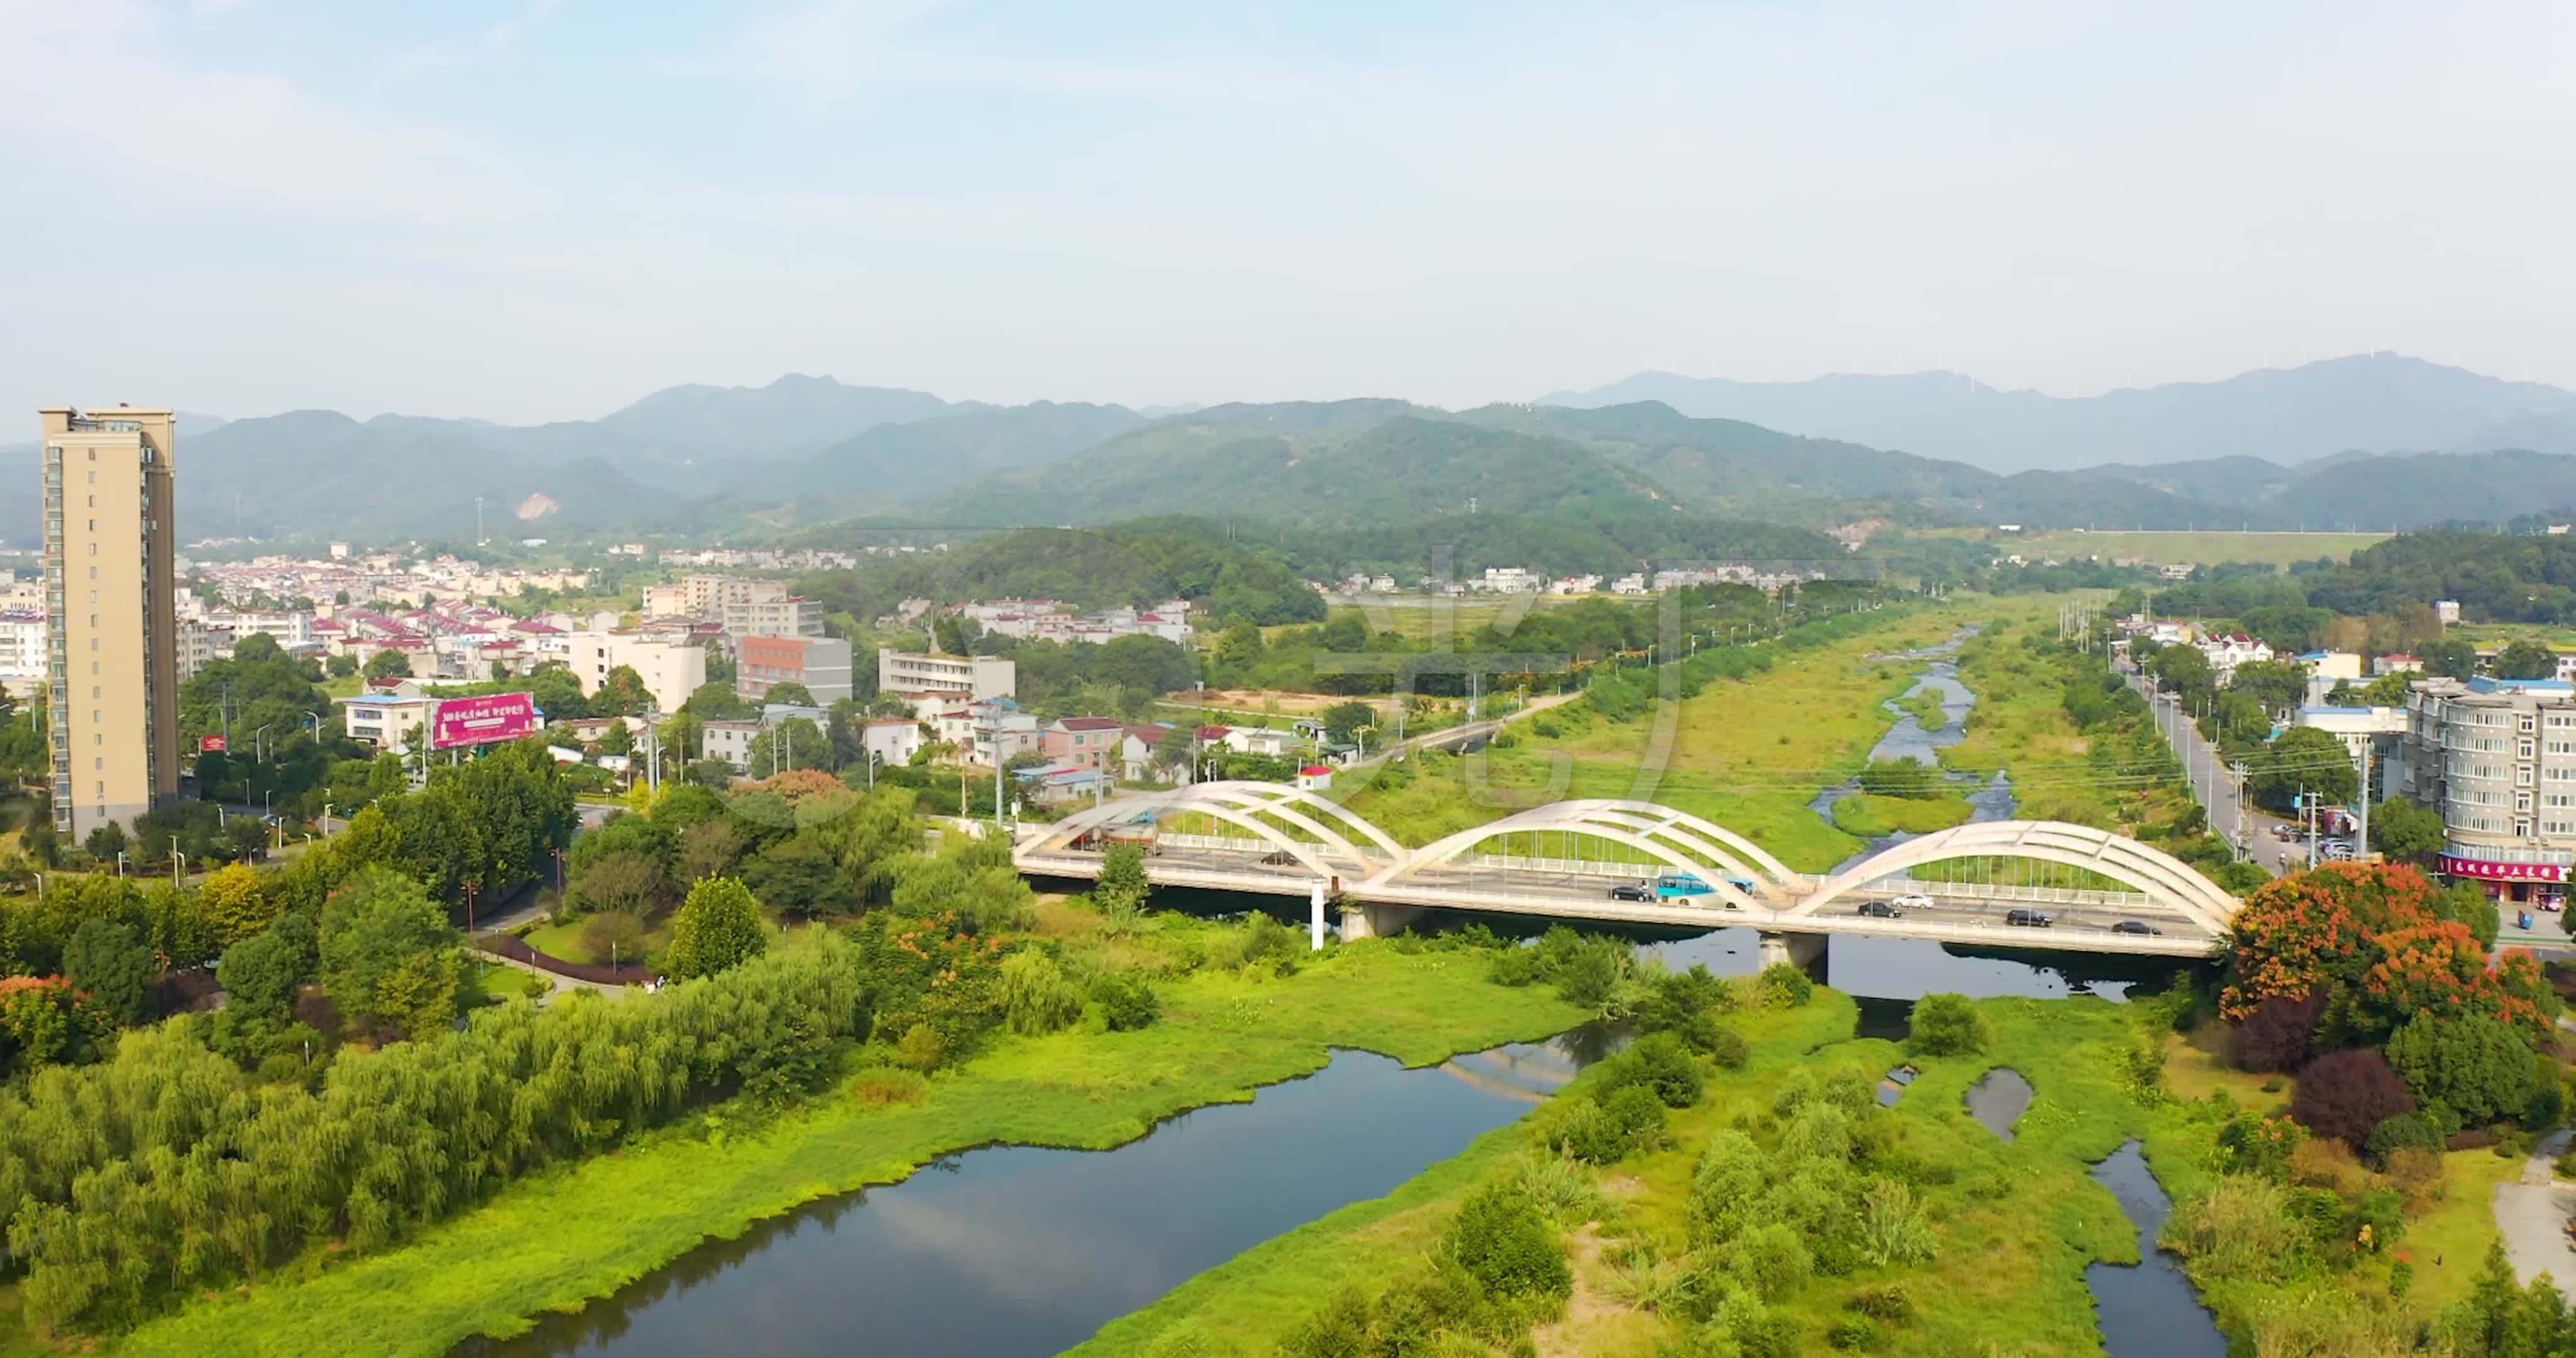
x=2336 y=849
x=1912 y=900
x=2027 y=919
x=1880 y=909
x=2137 y=926
x=1632 y=891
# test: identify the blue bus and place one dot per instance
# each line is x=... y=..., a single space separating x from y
x=1675 y=884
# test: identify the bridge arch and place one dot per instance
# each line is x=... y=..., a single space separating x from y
x=1608 y=821
x=1290 y=804
x=1253 y=806
x=1064 y=832
x=2171 y=883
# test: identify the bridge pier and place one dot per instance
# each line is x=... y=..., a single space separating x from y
x=1361 y=919
x=1803 y=951
x=1316 y=891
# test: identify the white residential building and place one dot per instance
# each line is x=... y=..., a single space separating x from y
x=977 y=677
x=671 y=668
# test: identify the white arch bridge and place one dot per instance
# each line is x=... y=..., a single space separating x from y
x=1563 y=859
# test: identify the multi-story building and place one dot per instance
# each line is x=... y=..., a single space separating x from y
x=1083 y=742
x=975 y=676
x=670 y=667
x=113 y=664
x=821 y=664
x=22 y=649
x=2498 y=757
x=196 y=649
x=893 y=740
x=786 y=615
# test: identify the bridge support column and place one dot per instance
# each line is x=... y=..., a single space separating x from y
x=1803 y=951
x=1315 y=893
x=1363 y=920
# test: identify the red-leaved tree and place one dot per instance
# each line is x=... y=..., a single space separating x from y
x=2343 y=1094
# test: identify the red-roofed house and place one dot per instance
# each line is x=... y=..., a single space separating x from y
x=1083 y=742
x=1315 y=777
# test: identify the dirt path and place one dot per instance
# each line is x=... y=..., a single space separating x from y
x=2532 y=1212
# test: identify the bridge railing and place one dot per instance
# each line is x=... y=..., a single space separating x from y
x=2007 y=891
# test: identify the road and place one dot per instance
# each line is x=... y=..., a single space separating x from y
x=1582 y=890
x=2532 y=1212
x=2216 y=787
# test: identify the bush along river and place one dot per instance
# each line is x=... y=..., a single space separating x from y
x=1026 y=1250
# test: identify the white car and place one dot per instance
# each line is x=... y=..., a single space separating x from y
x=1912 y=900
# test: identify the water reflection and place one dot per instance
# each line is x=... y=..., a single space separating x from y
x=1998 y=1099
x=2147 y=1310
x=1024 y=1250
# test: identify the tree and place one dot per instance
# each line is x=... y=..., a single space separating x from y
x=262 y=973
x=235 y=903
x=2184 y=669
x=1036 y=998
x=2473 y=1065
x=2304 y=759
x=388 y=954
x=713 y=701
x=341 y=665
x=2344 y=1094
x=716 y=928
x=614 y=935
x=1499 y=1238
x=106 y=842
x=110 y=969
x=1122 y=888
x=626 y=882
x=2280 y=1032
x=791 y=692
x=1341 y=719
x=797 y=876
x=2450 y=657
x=621 y=693
x=2277 y=684
x=2406 y=831
x=1946 y=1025
x=795 y=743
x=708 y=848
x=2525 y=660
x=388 y=664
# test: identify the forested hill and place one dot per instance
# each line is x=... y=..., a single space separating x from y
x=1334 y=489
x=1135 y=565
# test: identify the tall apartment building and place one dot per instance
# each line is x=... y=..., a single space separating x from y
x=670 y=667
x=821 y=664
x=113 y=665
x=2498 y=756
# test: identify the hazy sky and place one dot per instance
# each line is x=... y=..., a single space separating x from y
x=543 y=209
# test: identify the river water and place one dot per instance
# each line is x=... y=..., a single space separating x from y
x=1025 y=1250
x=1011 y=1250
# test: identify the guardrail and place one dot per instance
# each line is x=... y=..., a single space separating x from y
x=2000 y=891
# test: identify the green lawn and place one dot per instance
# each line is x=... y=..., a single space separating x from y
x=2197 y=548
x=1869 y=815
x=581 y=1231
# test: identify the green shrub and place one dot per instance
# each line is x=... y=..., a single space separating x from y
x=1588 y=977
x=885 y=1085
x=1662 y=1063
x=1786 y=985
x=1502 y=1242
x=1036 y=998
x=1126 y=1000
x=1589 y=1133
x=1729 y=1049
x=920 y=1049
x=1886 y=1301
x=1946 y=1025
x=1772 y=1259
x=1558 y=1188
x=536 y=987
x=1638 y=1114
x=2425 y=1128
x=1758 y=1331
x=1853 y=1332
x=1339 y=1330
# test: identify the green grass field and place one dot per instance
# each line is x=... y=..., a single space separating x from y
x=2198 y=548
x=584 y=1230
x=1748 y=755
x=1869 y=815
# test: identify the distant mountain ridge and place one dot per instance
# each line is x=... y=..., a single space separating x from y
x=2377 y=403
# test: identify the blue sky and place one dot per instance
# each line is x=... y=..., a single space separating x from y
x=544 y=209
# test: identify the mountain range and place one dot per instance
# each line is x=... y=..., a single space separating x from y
x=2377 y=442
x=2370 y=403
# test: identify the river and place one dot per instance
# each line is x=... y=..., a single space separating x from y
x=1011 y=1250
x=1027 y=1250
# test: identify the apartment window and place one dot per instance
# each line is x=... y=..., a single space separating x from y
x=2522 y=829
x=2523 y=750
x=2523 y=722
x=93 y=476
x=2522 y=801
x=93 y=572
x=96 y=766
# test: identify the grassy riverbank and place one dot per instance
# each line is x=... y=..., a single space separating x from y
x=1749 y=754
x=1870 y=815
x=556 y=1240
x=2016 y=1222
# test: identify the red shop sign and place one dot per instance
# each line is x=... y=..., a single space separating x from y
x=2501 y=872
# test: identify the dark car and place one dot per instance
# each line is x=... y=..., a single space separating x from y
x=1880 y=909
x=2027 y=919
x=1632 y=891
x=2136 y=926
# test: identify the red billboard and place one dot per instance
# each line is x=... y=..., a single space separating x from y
x=487 y=720
x=2452 y=865
x=206 y=744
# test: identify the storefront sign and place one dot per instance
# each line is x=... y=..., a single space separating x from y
x=2493 y=871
